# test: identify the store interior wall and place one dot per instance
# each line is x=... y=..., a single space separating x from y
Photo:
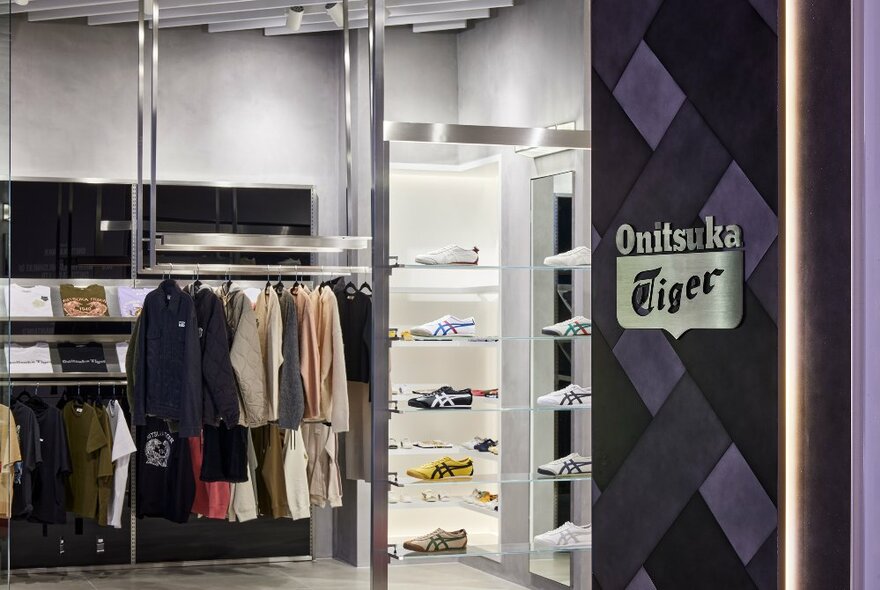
x=233 y=107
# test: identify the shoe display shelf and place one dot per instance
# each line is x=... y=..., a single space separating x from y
x=420 y=293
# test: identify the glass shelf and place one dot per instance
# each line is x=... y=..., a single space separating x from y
x=398 y=552
x=454 y=449
x=489 y=478
x=419 y=504
x=473 y=267
x=405 y=409
x=478 y=342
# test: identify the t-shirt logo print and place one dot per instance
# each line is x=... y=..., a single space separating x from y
x=158 y=449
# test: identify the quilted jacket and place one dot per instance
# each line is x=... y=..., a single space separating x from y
x=220 y=391
x=168 y=380
x=244 y=352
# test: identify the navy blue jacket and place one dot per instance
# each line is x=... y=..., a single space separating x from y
x=168 y=371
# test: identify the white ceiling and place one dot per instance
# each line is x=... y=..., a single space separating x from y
x=270 y=15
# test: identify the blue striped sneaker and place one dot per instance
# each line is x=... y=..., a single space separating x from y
x=576 y=326
x=448 y=326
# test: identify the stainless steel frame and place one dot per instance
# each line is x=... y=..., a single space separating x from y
x=486 y=135
x=220 y=242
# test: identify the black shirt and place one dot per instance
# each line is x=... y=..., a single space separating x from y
x=29 y=443
x=355 y=312
x=166 y=487
x=50 y=475
x=82 y=358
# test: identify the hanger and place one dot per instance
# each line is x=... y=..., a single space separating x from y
x=32 y=400
x=366 y=286
x=198 y=283
x=228 y=284
x=350 y=288
x=279 y=286
x=268 y=280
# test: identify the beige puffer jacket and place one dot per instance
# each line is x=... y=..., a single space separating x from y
x=244 y=352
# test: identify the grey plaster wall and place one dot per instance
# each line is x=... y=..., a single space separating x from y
x=236 y=107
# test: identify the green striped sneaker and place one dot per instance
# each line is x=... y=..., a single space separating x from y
x=438 y=541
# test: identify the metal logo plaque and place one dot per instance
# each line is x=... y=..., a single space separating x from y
x=680 y=279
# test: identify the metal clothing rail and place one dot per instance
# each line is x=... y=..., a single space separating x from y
x=269 y=270
x=65 y=383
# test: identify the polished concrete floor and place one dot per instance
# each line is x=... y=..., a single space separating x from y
x=314 y=575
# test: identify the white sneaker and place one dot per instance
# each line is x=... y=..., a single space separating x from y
x=580 y=256
x=572 y=395
x=572 y=464
x=448 y=326
x=568 y=535
x=576 y=326
x=450 y=254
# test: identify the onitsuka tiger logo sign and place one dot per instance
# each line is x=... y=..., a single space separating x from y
x=679 y=279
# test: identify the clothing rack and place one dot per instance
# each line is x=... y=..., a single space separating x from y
x=66 y=383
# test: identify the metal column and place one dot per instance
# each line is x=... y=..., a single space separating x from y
x=381 y=277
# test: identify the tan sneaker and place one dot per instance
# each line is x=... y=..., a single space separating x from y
x=438 y=541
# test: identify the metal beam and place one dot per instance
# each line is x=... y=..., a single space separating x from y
x=246 y=25
x=486 y=135
x=455 y=25
x=392 y=21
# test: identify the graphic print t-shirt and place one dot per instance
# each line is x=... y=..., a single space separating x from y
x=165 y=484
x=32 y=358
x=131 y=301
x=10 y=454
x=29 y=301
x=88 y=301
x=82 y=358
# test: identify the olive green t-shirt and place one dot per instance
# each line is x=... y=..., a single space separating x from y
x=88 y=301
x=86 y=440
x=105 y=483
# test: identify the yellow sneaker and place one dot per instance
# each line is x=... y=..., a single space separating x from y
x=445 y=468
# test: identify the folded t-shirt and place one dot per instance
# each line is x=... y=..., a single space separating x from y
x=30 y=301
x=82 y=358
x=88 y=301
x=32 y=358
x=131 y=300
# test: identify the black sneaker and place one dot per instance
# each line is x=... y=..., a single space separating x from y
x=445 y=397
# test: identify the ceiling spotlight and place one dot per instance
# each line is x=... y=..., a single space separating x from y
x=21 y=2
x=295 y=18
x=334 y=9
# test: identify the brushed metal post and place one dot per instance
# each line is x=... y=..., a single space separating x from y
x=381 y=277
x=154 y=100
x=346 y=60
x=137 y=228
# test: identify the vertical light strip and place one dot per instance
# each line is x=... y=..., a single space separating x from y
x=793 y=305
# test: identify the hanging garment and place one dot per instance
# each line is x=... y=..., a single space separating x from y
x=168 y=371
x=358 y=441
x=122 y=449
x=219 y=390
x=165 y=484
x=334 y=385
x=31 y=456
x=91 y=466
x=51 y=475
x=105 y=484
x=244 y=353
x=243 y=506
x=325 y=486
x=296 y=481
x=224 y=454
x=10 y=454
x=310 y=363
x=269 y=448
x=212 y=499
x=269 y=329
x=291 y=401
x=355 y=314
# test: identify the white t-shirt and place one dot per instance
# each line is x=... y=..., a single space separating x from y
x=123 y=447
x=121 y=352
x=32 y=358
x=30 y=301
x=131 y=300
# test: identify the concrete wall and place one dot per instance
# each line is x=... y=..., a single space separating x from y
x=235 y=107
